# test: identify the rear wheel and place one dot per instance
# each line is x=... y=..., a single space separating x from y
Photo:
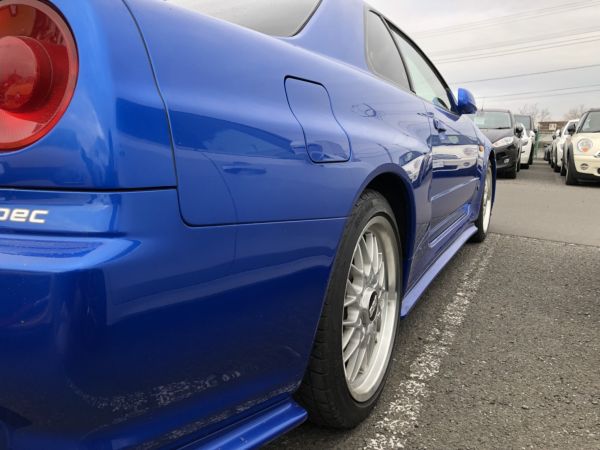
x=358 y=326
x=485 y=210
x=530 y=162
x=556 y=166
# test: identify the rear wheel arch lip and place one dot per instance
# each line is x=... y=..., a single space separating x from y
x=404 y=208
x=492 y=161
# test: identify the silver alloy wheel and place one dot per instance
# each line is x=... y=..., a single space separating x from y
x=487 y=200
x=371 y=309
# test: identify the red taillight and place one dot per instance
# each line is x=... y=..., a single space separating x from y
x=38 y=71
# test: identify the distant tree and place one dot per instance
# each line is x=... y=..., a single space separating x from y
x=533 y=110
x=575 y=113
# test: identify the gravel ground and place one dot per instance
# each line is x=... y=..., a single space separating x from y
x=503 y=351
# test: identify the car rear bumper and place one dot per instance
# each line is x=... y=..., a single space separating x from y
x=93 y=265
x=121 y=326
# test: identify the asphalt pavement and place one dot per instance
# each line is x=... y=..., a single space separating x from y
x=503 y=350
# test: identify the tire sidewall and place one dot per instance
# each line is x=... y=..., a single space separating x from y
x=571 y=178
x=481 y=232
x=371 y=205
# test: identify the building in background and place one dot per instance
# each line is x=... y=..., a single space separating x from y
x=547 y=129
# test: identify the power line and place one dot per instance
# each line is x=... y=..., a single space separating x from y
x=545 y=97
x=517 y=42
x=529 y=49
x=510 y=18
x=530 y=74
x=487 y=22
x=552 y=91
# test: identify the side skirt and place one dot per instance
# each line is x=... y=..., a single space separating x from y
x=256 y=431
x=412 y=296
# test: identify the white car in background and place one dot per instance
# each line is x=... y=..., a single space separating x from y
x=560 y=147
x=582 y=153
x=528 y=140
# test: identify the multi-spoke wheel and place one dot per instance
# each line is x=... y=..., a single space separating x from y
x=485 y=210
x=370 y=308
x=357 y=330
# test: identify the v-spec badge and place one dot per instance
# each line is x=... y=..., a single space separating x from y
x=21 y=215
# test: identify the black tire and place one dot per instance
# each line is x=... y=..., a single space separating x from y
x=511 y=173
x=324 y=390
x=556 y=168
x=570 y=177
x=525 y=166
x=482 y=232
x=563 y=167
x=531 y=155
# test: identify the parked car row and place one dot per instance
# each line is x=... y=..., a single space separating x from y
x=575 y=150
x=512 y=136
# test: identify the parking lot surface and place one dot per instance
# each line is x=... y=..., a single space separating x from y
x=503 y=351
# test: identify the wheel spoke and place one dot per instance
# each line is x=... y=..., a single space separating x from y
x=351 y=359
x=360 y=256
x=352 y=346
x=365 y=251
x=376 y=256
x=371 y=349
x=360 y=359
x=352 y=323
x=350 y=300
x=347 y=336
x=372 y=251
x=351 y=289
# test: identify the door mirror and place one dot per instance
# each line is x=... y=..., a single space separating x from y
x=572 y=129
x=554 y=135
x=519 y=129
x=466 y=102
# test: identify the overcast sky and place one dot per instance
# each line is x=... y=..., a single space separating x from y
x=568 y=31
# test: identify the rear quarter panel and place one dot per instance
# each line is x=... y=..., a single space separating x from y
x=114 y=134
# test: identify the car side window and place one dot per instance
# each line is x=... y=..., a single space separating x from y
x=382 y=53
x=425 y=82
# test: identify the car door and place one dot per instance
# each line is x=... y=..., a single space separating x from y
x=402 y=128
x=454 y=145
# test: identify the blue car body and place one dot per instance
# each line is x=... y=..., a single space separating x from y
x=196 y=191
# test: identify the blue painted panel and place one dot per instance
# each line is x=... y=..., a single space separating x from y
x=115 y=132
x=325 y=139
x=136 y=329
x=456 y=158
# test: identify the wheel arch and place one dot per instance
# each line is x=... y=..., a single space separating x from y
x=397 y=189
x=492 y=161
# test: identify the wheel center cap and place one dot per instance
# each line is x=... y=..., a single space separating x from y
x=373 y=306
